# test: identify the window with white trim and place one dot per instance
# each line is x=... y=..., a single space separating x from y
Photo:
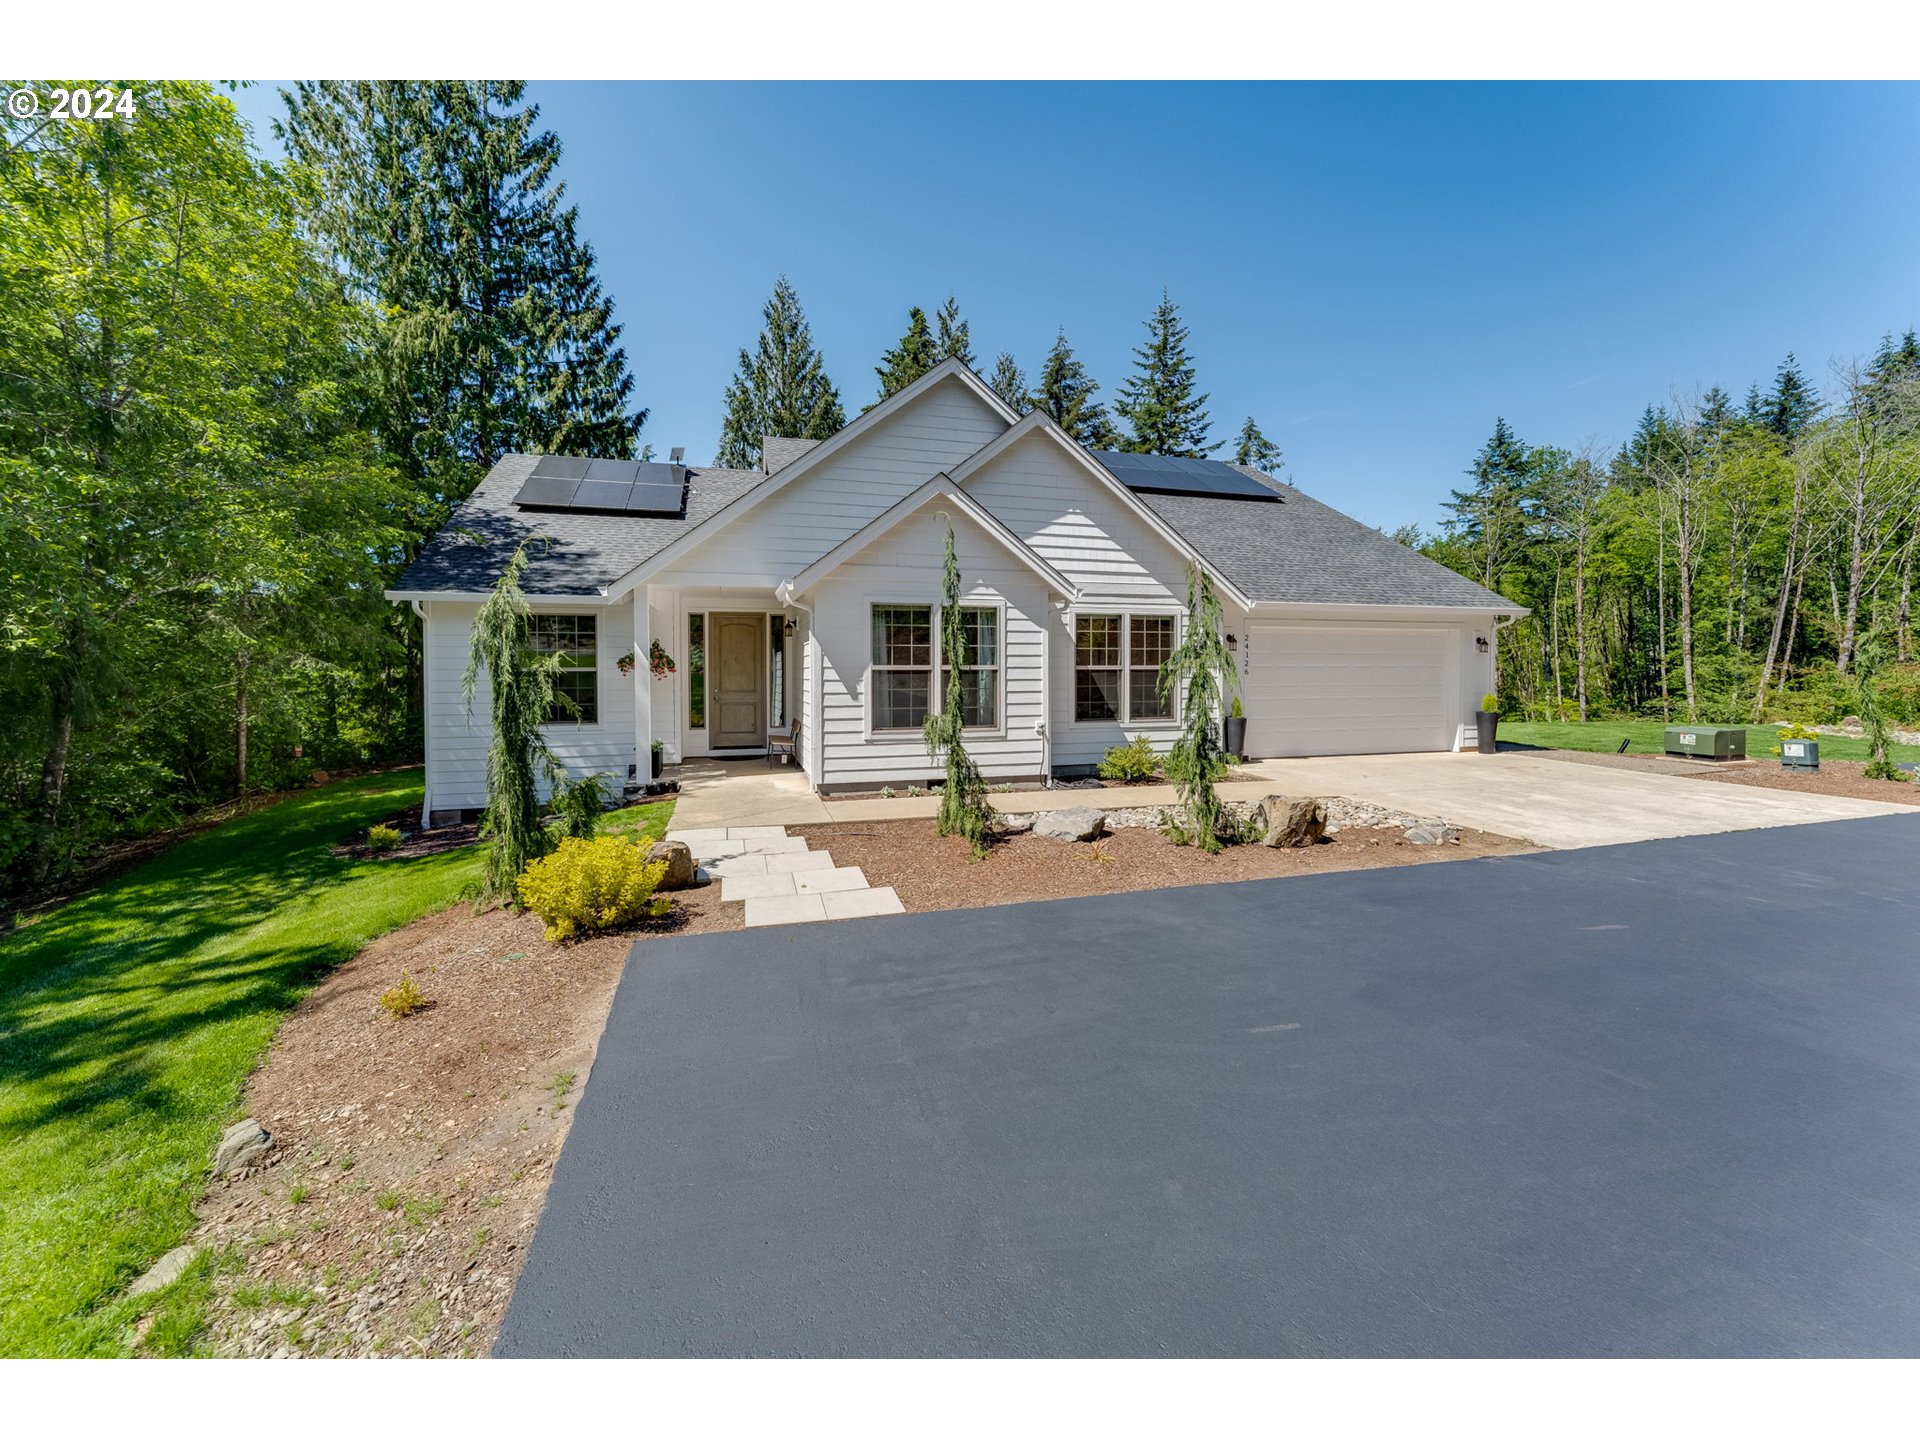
x=980 y=670
x=576 y=680
x=1116 y=667
x=900 y=684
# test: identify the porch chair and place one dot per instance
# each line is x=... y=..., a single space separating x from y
x=787 y=744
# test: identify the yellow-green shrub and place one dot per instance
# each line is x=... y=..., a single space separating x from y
x=1134 y=760
x=590 y=885
x=382 y=838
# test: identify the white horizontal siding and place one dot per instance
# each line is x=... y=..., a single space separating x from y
x=1089 y=534
x=796 y=526
x=904 y=567
x=457 y=743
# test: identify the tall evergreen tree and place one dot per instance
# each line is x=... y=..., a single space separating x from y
x=1491 y=518
x=951 y=339
x=911 y=358
x=1254 y=449
x=1009 y=382
x=1159 y=401
x=440 y=201
x=1794 y=404
x=1066 y=393
x=781 y=388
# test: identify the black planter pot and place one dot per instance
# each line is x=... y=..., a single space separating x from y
x=659 y=758
x=1237 y=736
x=1489 y=723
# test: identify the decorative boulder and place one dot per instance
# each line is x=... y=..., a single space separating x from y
x=1013 y=824
x=241 y=1145
x=1081 y=823
x=679 y=862
x=1431 y=833
x=1287 y=821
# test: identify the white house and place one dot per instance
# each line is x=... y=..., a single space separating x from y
x=800 y=601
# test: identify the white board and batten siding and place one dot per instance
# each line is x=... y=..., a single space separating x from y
x=457 y=743
x=797 y=525
x=1118 y=562
x=904 y=568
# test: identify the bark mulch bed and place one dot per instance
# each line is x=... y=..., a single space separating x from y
x=1834 y=777
x=934 y=873
x=411 y=1157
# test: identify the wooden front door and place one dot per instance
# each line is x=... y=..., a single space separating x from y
x=739 y=702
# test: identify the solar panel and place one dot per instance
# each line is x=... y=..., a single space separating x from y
x=604 y=487
x=1182 y=475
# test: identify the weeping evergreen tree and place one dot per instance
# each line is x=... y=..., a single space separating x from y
x=781 y=387
x=1009 y=382
x=1161 y=401
x=963 y=800
x=911 y=358
x=521 y=686
x=1867 y=674
x=1200 y=671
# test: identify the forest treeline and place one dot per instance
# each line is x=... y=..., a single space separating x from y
x=237 y=395
x=1732 y=561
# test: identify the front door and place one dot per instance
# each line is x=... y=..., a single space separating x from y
x=739 y=681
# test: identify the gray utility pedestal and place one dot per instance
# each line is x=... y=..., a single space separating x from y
x=1716 y=742
x=1800 y=754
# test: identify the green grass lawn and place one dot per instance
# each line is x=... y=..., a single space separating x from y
x=1648 y=737
x=129 y=1021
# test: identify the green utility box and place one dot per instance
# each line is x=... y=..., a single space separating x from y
x=1710 y=742
x=1800 y=754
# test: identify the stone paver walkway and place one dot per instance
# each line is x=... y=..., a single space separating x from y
x=780 y=879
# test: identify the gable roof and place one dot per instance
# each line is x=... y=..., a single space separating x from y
x=584 y=552
x=779 y=451
x=940 y=487
x=1304 y=552
x=1038 y=422
x=794 y=468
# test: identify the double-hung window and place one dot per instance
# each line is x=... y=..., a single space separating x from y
x=900 y=688
x=1116 y=667
x=979 y=668
x=576 y=681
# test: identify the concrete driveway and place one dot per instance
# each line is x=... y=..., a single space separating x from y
x=1653 y=1099
x=1561 y=804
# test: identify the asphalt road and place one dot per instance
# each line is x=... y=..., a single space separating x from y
x=1655 y=1099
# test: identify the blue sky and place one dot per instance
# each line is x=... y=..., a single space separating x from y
x=1374 y=271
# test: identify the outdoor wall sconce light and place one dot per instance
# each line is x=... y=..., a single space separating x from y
x=1233 y=641
x=1480 y=643
x=789 y=629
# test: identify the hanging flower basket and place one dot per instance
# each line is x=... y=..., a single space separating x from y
x=625 y=662
x=658 y=661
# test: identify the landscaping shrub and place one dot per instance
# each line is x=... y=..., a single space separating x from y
x=1134 y=760
x=586 y=886
x=382 y=838
x=405 y=998
x=578 y=803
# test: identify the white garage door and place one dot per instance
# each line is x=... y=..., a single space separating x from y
x=1332 y=690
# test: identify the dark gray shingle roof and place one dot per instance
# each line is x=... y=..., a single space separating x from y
x=585 y=552
x=1307 y=553
x=777 y=452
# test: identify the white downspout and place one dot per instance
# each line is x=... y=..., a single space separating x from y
x=426 y=727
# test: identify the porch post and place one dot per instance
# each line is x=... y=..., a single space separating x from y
x=642 y=684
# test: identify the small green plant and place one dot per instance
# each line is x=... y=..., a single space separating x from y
x=579 y=804
x=383 y=838
x=587 y=886
x=421 y=1211
x=886 y=792
x=1490 y=702
x=404 y=999
x=559 y=1085
x=915 y=790
x=1234 y=712
x=1132 y=761
x=298 y=1195
x=389 y=1200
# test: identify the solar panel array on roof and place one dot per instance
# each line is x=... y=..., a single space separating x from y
x=1177 y=475
x=604 y=487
